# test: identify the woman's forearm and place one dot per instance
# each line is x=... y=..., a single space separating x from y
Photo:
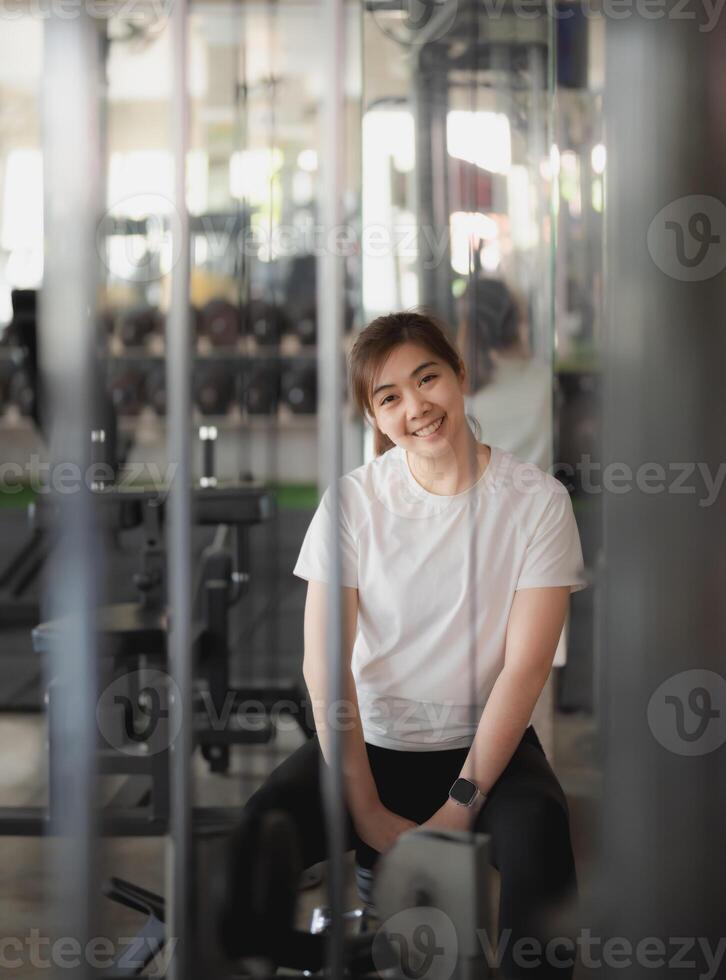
x=502 y=726
x=360 y=788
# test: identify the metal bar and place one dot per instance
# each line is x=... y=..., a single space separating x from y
x=662 y=821
x=330 y=307
x=178 y=374
x=72 y=168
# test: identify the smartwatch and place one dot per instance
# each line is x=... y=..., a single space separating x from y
x=465 y=792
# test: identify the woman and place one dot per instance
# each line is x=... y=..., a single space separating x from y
x=457 y=565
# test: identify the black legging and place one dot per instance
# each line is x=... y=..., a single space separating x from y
x=526 y=814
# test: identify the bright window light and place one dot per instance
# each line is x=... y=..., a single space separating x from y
x=598 y=158
x=197 y=181
x=251 y=172
x=482 y=138
x=469 y=230
x=307 y=160
x=522 y=203
x=554 y=159
x=570 y=182
x=140 y=183
x=22 y=217
x=385 y=224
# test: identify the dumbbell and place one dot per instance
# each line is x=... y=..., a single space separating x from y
x=155 y=389
x=106 y=322
x=299 y=388
x=261 y=389
x=138 y=324
x=305 y=323
x=219 y=322
x=305 y=326
x=213 y=389
x=266 y=322
x=126 y=388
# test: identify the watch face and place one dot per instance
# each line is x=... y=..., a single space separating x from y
x=463 y=791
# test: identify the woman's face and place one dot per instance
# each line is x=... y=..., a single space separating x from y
x=418 y=400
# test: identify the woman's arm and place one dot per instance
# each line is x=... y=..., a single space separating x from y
x=533 y=630
x=361 y=791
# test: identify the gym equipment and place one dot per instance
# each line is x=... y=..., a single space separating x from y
x=214 y=386
x=247 y=881
x=266 y=322
x=126 y=388
x=431 y=892
x=306 y=326
x=578 y=398
x=219 y=322
x=26 y=392
x=301 y=300
x=208 y=439
x=446 y=874
x=134 y=638
x=155 y=389
x=138 y=324
x=20 y=571
x=299 y=388
x=23 y=335
x=261 y=388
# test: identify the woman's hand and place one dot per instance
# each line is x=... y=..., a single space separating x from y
x=380 y=827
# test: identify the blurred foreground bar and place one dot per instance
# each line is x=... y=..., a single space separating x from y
x=664 y=574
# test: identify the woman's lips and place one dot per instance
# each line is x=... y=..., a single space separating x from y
x=430 y=430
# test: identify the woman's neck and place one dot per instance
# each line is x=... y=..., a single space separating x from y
x=452 y=472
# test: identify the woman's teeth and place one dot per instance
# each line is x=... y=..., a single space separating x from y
x=430 y=429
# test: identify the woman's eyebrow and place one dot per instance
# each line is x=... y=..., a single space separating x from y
x=413 y=375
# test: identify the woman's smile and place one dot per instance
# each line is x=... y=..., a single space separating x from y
x=430 y=430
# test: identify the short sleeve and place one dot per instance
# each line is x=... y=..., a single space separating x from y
x=554 y=554
x=313 y=562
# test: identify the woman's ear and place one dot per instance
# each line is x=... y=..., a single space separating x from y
x=464 y=378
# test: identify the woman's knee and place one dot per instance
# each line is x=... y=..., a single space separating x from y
x=531 y=831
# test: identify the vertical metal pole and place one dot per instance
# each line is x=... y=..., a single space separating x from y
x=430 y=99
x=330 y=311
x=178 y=374
x=72 y=164
x=664 y=405
x=538 y=139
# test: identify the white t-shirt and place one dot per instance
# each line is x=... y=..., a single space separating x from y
x=436 y=576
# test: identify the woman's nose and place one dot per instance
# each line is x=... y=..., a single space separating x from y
x=417 y=405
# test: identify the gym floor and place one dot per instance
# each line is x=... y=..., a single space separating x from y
x=268 y=619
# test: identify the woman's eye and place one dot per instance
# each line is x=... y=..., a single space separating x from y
x=428 y=377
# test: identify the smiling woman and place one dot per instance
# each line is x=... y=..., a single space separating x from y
x=457 y=562
x=408 y=380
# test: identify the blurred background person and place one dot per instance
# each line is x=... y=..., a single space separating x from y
x=510 y=391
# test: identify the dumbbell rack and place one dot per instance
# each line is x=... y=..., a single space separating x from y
x=134 y=636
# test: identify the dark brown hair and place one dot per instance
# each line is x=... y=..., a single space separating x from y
x=378 y=340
